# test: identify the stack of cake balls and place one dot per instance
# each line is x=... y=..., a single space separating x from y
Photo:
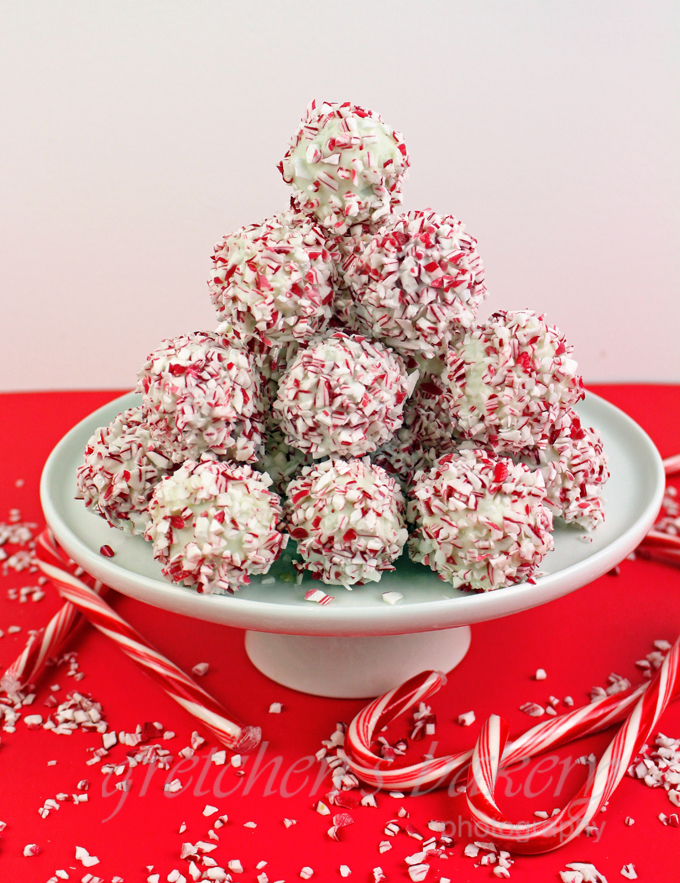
x=349 y=399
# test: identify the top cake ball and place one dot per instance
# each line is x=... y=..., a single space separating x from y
x=345 y=165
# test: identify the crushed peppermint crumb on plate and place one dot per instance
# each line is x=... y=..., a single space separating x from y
x=466 y=719
x=200 y=669
x=540 y=674
x=275 y=708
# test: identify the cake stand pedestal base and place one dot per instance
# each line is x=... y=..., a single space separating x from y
x=354 y=668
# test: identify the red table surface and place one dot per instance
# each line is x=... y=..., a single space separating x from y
x=578 y=640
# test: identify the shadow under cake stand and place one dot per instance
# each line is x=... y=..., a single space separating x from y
x=358 y=645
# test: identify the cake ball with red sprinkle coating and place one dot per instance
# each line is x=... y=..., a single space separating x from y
x=274 y=281
x=121 y=469
x=508 y=381
x=344 y=395
x=345 y=166
x=347 y=517
x=419 y=283
x=574 y=468
x=200 y=396
x=213 y=524
x=481 y=521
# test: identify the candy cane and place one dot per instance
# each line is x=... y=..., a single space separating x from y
x=174 y=681
x=435 y=773
x=29 y=665
x=543 y=836
x=658 y=539
x=671 y=465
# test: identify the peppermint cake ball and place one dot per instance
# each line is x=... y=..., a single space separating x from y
x=200 y=396
x=344 y=395
x=481 y=521
x=121 y=469
x=213 y=524
x=348 y=520
x=419 y=283
x=574 y=468
x=345 y=166
x=274 y=281
x=509 y=380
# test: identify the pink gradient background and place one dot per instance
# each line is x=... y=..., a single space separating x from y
x=133 y=136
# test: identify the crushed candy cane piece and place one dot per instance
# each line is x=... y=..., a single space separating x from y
x=628 y=871
x=465 y=720
x=200 y=669
x=584 y=873
x=32 y=849
x=275 y=708
x=82 y=855
x=540 y=674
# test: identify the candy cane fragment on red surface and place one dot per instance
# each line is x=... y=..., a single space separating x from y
x=180 y=687
x=426 y=775
x=43 y=644
x=551 y=833
x=671 y=465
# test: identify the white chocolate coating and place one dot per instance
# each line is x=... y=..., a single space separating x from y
x=481 y=522
x=345 y=166
x=344 y=395
x=419 y=283
x=200 y=396
x=574 y=468
x=509 y=380
x=214 y=523
x=122 y=466
x=274 y=281
x=347 y=518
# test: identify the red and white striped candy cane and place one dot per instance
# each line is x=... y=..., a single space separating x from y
x=29 y=665
x=543 y=836
x=671 y=465
x=429 y=774
x=174 y=681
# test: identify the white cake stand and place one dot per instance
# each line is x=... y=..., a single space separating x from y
x=358 y=645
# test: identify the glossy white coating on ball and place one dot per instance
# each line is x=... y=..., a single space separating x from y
x=274 y=281
x=344 y=395
x=347 y=518
x=200 y=396
x=419 y=283
x=481 y=521
x=121 y=469
x=509 y=380
x=212 y=524
x=345 y=165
